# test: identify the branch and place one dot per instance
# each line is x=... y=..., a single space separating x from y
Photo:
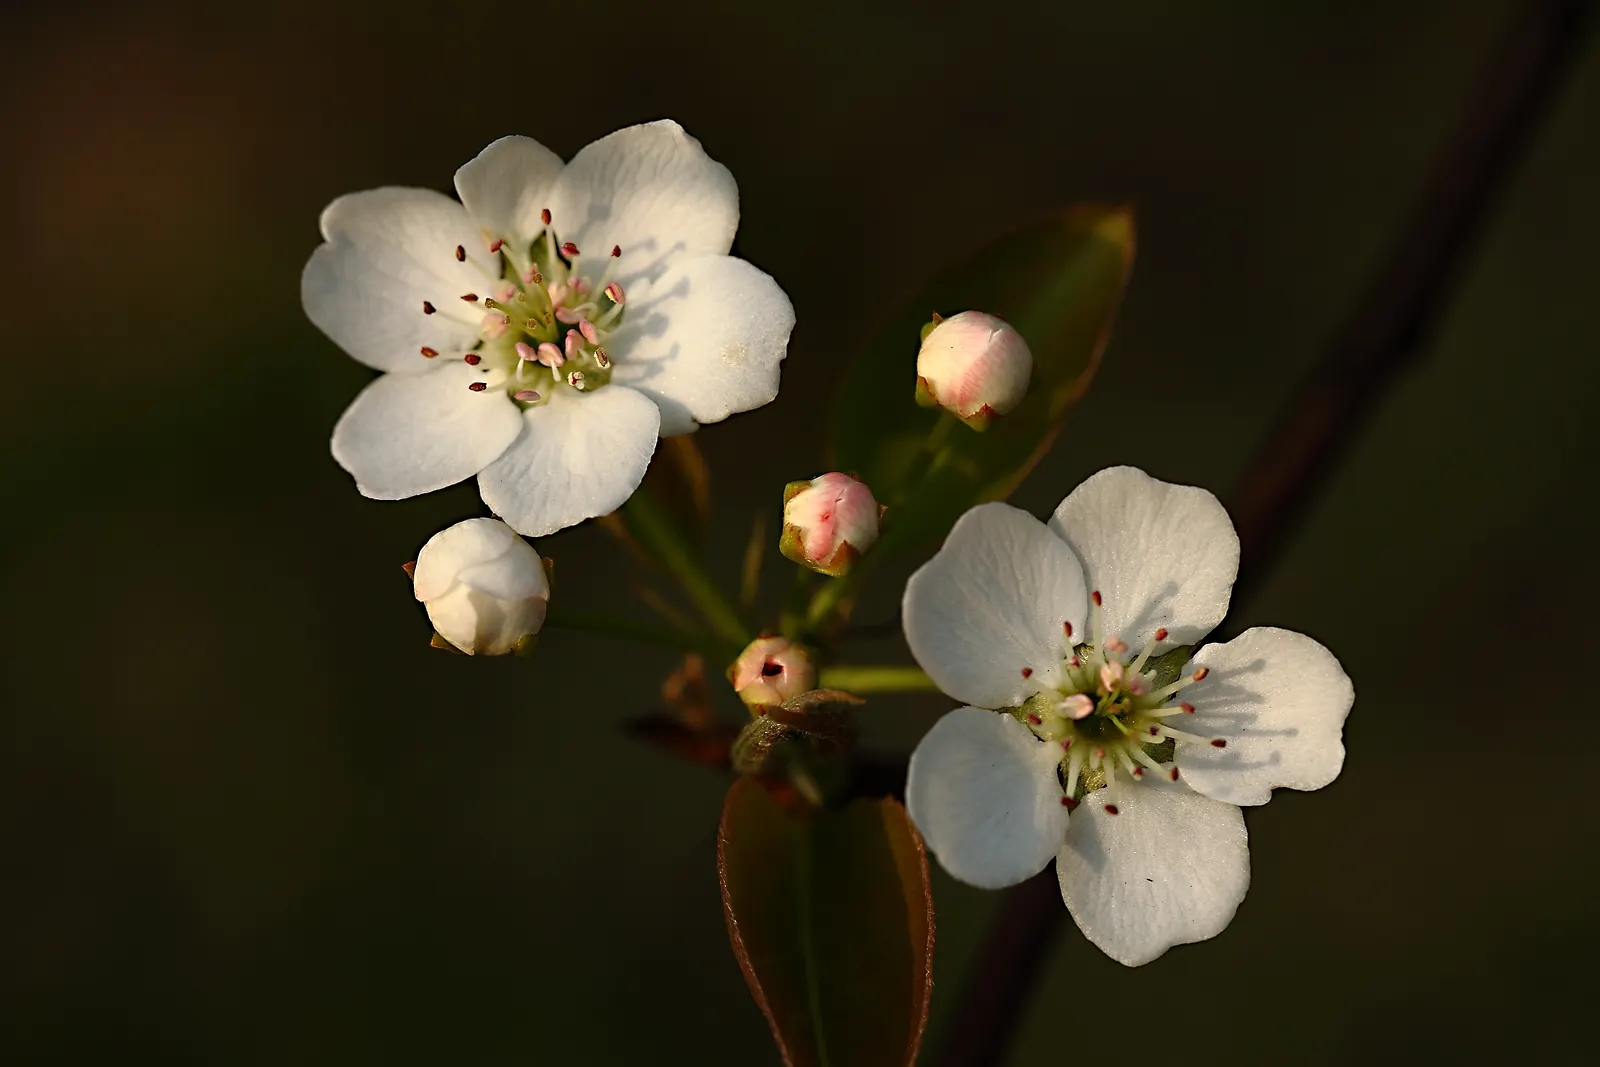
x=1384 y=336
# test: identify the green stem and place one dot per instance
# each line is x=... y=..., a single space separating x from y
x=618 y=626
x=660 y=535
x=876 y=679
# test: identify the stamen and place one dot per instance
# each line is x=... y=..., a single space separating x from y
x=1068 y=803
x=494 y=326
x=472 y=359
x=616 y=250
x=544 y=216
x=1200 y=674
x=429 y=352
x=471 y=298
x=614 y=293
x=550 y=355
x=571 y=341
x=477 y=387
x=1074 y=765
x=576 y=380
x=569 y=249
x=1144 y=656
x=1111 y=676
x=590 y=334
x=461 y=254
x=1173 y=774
x=1167 y=690
x=1116 y=644
x=602 y=360
x=525 y=352
x=497 y=246
x=527 y=396
x=1112 y=809
x=427 y=308
x=1027 y=672
x=531 y=276
x=1075 y=707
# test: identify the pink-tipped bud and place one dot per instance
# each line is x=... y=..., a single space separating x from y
x=829 y=522
x=484 y=587
x=771 y=670
x=550 y=355
x=975 y=366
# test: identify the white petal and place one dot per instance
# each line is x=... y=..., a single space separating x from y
x=1279 y=699
x=407 y=434
x=387 y=251
x=984 y=794
x=580 y=455
x=650 y=190
x=1169 y=868
x=1160 y=554
x=506 y=186
x=705 y=341
x=991 y=602
x=483 y=553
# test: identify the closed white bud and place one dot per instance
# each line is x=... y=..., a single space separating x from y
x=975 y=366
x=771 y=670
x=829 y=522
x=485 y=588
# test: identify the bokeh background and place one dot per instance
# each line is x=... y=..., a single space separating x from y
x=248 y=817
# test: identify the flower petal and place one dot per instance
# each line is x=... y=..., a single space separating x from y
x=984 y=794
x=407 y=434
x=1160 y=554
x=1279 y=699
x=388 y=251
x=506 y=185
x=990 y=603
x=650 y=190
x=1169 y=868
x=485 y=554
x=705 y=341
x=580 y=455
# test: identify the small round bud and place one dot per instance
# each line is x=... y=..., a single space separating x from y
x=771 y=670
x=829 y=522
x=485 y=588
x=975 y=366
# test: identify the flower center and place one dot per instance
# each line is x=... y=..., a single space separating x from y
x=545 y=319
x=1107 y=712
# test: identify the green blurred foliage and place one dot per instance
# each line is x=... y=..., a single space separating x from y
x=250 y=818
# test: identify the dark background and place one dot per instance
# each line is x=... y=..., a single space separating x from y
x=248 y=817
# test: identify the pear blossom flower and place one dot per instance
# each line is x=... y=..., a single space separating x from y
x=829 y=522
x=771 y=670
x=974 y=365
x=485 y=588
x=545 y=329
x=1132 y=783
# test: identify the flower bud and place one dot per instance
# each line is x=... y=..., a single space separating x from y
x=829 y=522
x=975 y=366
x=771 y=670
x=485 y=588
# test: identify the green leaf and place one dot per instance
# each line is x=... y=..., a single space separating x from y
x=1059 y=283
x=831 y=918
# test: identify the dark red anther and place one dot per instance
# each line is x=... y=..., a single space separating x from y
x=1112 y=809
x=569 y=249
x=1095 y=596
x=616 y=250
x=1161 y=634
x=427 y=308
x=1201 y=673
x=497 y=246
x=1188 y=708
x=461 y=254
x=1173 y=774
x=1068 y=803
x=471 y=298
x=472 y=359
x=1035 y=720
x=1219 y=743
x=429 y=352
x=477 y=387
x=1155 y=731
x=1027 y=672
x=544 y=216
x=1067 y=626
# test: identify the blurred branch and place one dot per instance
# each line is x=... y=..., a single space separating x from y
x=876 y=679
x=1363 y=361
x=632 y=629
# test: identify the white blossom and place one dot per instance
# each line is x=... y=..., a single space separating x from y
x=974 y=365
x=543 y=331
x=1055 y=628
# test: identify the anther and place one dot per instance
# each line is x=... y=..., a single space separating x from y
x=1035 y=719
x=472 y=359
x=471 y=298
x=427 y=308
x=1027 y=672
x=527 y=396
x=1116 y=644
x=461 y=254
x=1161 y=634
x=544 y=216
x=575 y=379
x=1155 y=731
x=1112 y=809
x=1188 y=708
x=614 y=293
x=477 y=387
x=1201 y=673
x=550 y=355
x=1067 y=626
x=590 y=334
x=1173 y=774
x=1077 y=706
x=602 y=360
x=1095 y=596
x=616 y=250
x=497 y=246
x=569 y=249
x=429 y=352
x=1219 y=743
x=525 y=352
x=1068 y=803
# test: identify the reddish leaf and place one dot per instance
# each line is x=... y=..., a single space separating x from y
x=831 y=919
